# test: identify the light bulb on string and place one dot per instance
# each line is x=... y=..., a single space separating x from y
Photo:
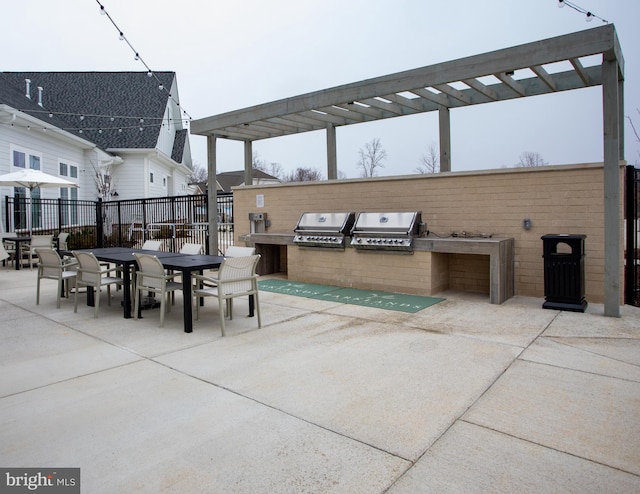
x=589 y=17
x=560 y=3
x=102 y=11
x=137 y=57
x=121 y=36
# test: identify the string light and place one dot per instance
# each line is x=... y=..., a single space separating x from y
x=112 y=118
x=588 y=14
x=150 y=73
x=98 y=129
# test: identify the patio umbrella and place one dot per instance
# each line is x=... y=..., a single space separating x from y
x=33 y=179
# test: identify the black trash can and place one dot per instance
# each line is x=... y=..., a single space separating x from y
x=564 y=272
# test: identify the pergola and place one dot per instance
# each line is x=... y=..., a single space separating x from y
x=544 y=67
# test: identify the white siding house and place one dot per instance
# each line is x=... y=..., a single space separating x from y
x=118 y=135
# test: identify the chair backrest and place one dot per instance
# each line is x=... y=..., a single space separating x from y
x=62 y=241
x=237 y=268
x=235 y=251
x=193 y=249
x=50 y=263
x=3 y=252
x=150 y=265
x=152 y=245
x=42 y=241
x=88 y=267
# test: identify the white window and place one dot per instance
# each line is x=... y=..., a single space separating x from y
x=26 y=158
x=23 y=158
x=69 y=195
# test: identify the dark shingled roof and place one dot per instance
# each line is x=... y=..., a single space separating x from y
x=117 y=94
x=178 y=145
x=235 y=178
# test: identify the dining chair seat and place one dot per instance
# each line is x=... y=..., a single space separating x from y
x=92 y=274
x=52 y=267
x=236 y=278
x=151 y=277
x=38 y=242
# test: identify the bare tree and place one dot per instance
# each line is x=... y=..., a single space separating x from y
x=529 y=158
x=103 y=179
x=635 y=132
x=273 y=169
x=302 y=174
x=429 y=161
x=371 y=158
x=198 y=175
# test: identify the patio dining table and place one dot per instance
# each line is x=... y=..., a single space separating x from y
x=185 y=263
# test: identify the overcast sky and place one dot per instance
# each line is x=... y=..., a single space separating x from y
x=230 y=55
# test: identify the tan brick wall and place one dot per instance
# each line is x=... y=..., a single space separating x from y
x=557 y=199
x=410 y=273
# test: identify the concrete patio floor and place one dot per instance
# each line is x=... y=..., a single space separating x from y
x=463 y=396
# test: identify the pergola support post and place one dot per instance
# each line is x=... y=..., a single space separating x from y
x=332 y=160
x=212 y=195
x=612 y=231
x=444 y=120
x=248 y=163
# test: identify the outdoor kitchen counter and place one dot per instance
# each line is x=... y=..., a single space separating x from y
x=501 y=259
x=499 y=249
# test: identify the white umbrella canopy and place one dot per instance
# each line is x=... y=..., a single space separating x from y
x=33 y=179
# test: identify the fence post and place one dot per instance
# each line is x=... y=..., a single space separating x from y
x=99 y=223
x=59 y=215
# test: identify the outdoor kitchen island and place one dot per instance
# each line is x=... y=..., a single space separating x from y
x=435 y=264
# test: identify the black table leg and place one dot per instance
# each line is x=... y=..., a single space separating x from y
x=126 y=290
x=251 y=305
x=186 y=301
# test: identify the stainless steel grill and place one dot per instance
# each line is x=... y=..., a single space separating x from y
x=323 y=229
x=387 y=231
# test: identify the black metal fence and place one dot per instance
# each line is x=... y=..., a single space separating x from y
x=174 y=220
x=632 y=231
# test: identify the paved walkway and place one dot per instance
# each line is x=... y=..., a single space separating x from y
x=463 y=396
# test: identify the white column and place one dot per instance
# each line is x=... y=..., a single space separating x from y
x=248 y=163
x=332 y=159
x=212 y=195
x=445 y=139
x=612 y=230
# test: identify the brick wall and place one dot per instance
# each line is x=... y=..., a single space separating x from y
x=557 y=199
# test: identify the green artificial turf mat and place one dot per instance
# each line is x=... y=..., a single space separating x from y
x=353 y=296
x=294 y=288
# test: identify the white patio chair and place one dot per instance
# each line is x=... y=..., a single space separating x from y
x=52 y=267
x=152 y=245
x=38 y=242
x=62 y=241
x=151 y=277
x=236 y=278
x=194 y=249
x=92 y=274
x=4 y=255
x=234 y=251
x=10 y=247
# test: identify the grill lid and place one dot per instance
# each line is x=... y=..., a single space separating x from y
x=387 y=224
x=334 y=223
x=323 y=229
x=386 y=231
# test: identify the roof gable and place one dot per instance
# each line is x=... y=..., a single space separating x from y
x=112 y=104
